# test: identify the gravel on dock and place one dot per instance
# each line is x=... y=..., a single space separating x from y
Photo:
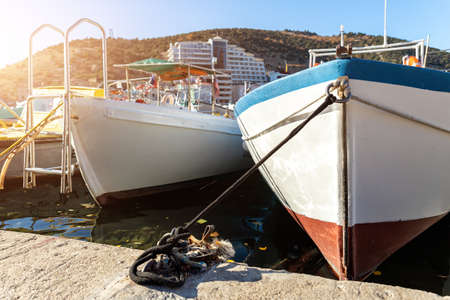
x=45 y=267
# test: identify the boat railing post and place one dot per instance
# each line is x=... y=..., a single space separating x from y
x=66 y=161
x=213 y=84
x=66 y=107
x=426 y=51
x=310 y=58
x=385 y=41
x=213 y=93
x=29 y=155
x=29 y=179
x=422 y=53
x=157 y=89
x=189 y=88
x=128 y=84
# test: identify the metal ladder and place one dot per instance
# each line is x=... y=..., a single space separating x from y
x=67 y=168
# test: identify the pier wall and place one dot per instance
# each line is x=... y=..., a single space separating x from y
x=45 y=267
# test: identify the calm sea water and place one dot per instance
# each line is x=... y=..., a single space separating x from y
x=261 y=231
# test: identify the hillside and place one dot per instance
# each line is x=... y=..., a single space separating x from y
x=274 y=46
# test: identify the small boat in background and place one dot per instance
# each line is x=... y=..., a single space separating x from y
x=366 y=176
x=8 y=115
x=48 y=151
x=47 y=143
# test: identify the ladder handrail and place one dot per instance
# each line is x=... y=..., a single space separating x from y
x=66 y=176
x=30 y=53
x=67 y=54
x=29 y=180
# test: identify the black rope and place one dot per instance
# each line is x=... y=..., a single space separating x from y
x=330 y=99
x=150 y=277
x=173 y=244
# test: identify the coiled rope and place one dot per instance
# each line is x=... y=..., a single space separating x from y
x=171 y=243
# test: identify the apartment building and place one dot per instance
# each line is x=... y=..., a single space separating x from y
x=239 y=66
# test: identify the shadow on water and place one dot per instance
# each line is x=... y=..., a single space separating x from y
x=261 y=231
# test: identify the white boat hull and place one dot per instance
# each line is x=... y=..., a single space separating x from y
x=357 y=175
x=123 y=146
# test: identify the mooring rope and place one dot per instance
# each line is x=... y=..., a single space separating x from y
x=283 y=121
x=173 y=244
x=328 y=101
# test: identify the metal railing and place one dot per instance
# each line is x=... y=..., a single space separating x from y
x=418 y=46
x=66 y=169
x=29 y=155
x=66 y=176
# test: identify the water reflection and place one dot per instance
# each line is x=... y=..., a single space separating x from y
x=59 y=226
x=240 y=219
x=261 y=231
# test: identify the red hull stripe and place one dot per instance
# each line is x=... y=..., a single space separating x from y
x=328 y=238
x=370 y=244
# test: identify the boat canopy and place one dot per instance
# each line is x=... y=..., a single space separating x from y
x=168 y=71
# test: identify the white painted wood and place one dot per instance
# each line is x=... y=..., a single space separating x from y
x=398 y=169
x=304 y=173
x=123 y=146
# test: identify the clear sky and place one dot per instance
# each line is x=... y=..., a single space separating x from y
x=407 y=19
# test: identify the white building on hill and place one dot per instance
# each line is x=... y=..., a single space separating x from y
x=240 y=65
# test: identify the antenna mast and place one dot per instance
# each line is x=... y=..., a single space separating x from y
x=385 y=22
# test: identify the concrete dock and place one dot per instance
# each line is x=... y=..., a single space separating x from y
x=44 y=267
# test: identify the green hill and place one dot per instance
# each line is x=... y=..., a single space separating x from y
x=275 y=47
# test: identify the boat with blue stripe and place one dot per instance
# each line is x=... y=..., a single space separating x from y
x=365 y=176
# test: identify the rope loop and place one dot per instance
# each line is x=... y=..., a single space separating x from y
x=173 y=249
x=175 y=255
x=343 y=89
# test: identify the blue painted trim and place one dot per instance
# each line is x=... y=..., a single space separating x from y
x=355 y=69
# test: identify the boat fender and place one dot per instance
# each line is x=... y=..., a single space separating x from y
x=411 y=61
